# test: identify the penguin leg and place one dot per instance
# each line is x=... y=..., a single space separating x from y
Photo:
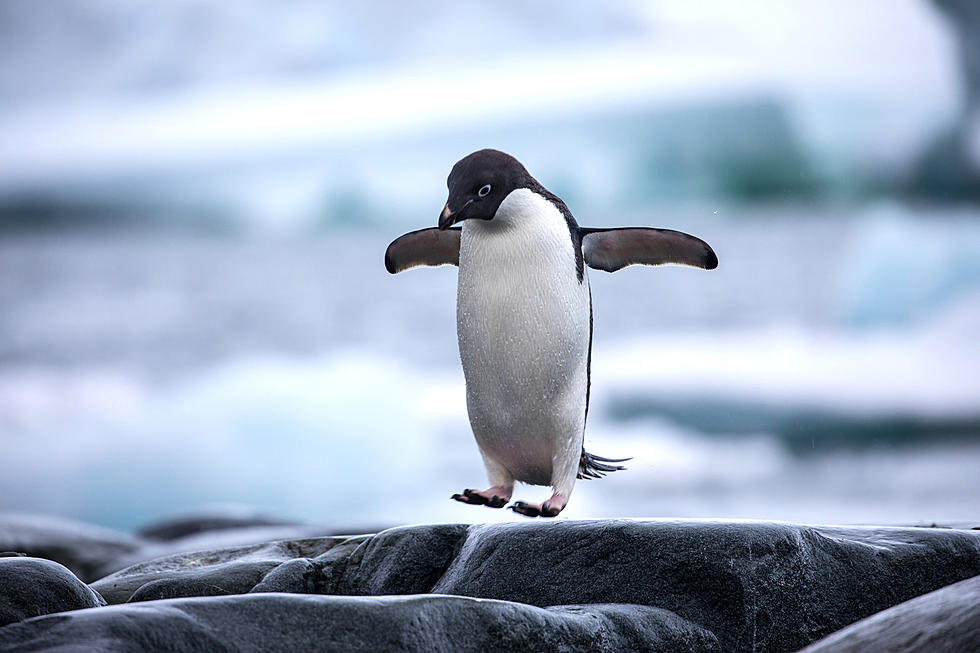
x=564 y=465
x=500 y=491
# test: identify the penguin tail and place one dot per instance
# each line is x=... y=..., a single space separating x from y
x=593 y=466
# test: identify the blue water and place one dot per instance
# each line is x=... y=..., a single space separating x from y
x=826 y=372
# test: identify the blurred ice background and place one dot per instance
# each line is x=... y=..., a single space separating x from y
x=195 y=198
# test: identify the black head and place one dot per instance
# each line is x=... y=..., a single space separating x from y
x=478 y=183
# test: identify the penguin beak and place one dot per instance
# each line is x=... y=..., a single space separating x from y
x=446 y=218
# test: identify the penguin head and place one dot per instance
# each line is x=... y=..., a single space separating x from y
x=478 y=183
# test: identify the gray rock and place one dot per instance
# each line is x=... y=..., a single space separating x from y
x=203 y=522
x=214 y=540
x=91 y=552
x=320 y=575
x=407 y=560
x=30 y=587
x=757 y=586
x=233 y=570
x=83 y=548
x=317 y=565
x=761 y=586
x=944 y=621
x=290 y=622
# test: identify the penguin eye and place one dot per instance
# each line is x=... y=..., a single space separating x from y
x=483 y=192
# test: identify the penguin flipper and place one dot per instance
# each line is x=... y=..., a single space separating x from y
x=432 y=246
x=613 y=249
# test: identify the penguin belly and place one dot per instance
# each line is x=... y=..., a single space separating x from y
x=523 y=323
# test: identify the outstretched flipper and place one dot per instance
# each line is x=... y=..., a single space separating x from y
x=613 y=249
x=433 y=246
x=593 y=466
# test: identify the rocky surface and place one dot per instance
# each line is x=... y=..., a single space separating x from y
x=561 y=585
x=30 y=587
x=217 y=540
x=175 y=528
x=92 y=552
x=944 y=621
x=289 y=622
x=208 y=573
x=85 y=549
x=755 y=585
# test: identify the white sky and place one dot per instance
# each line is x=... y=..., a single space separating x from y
x=895 y=57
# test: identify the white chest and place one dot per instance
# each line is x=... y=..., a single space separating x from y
x=522 y=313
x=518 y=279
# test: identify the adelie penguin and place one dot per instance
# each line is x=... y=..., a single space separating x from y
x=524 y=319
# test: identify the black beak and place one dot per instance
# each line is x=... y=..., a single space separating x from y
x=446 y=218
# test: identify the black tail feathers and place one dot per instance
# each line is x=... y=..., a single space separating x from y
x=593 y=466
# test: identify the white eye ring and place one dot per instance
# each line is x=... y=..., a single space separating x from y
x=483 y=192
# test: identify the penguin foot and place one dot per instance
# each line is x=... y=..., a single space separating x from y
x=549 y=508
x=495 y=497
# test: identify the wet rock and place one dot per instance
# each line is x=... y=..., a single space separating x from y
x=756 y=586
x=215 y=540
x=408 y=560
x=30 y=587
x=83 y=548
x=233 y=570
x=191 y=524
x=292 y=622
x=944 y=621
x=92 y=552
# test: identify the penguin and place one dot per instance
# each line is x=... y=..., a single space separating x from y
x=524 y=319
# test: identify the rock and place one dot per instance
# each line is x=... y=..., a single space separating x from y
x=944 y=621
x=321 y=575
x=210 y=541
x=191 y=524
x=30 y=587
x=289 y=622
x=764 y=586
x=233 y=570
x=407 y=560
x=83 y=548
x=91 y=552
x=755 y=585
x=315 y=565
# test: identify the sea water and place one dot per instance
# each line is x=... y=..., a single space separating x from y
x=825 y=372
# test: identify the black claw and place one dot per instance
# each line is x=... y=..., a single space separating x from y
x=525 y=509
x=469 y=497
x=476 y=499
x=496 y=502
x=548 y=511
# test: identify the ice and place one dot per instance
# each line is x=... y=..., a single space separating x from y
x=928 y=371
x=323 y=439
x=350 y=437
x=268 y=377
x=900 y=268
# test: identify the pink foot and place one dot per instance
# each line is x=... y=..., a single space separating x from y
x=495 y=497
x=549 y=508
